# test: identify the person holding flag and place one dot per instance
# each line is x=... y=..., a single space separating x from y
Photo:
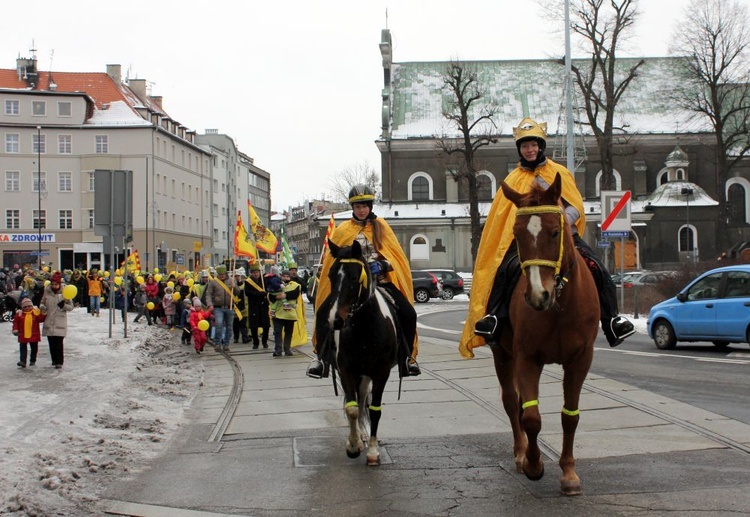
x=388 y=264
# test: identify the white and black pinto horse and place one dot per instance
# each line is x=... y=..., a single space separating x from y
x=357 y=331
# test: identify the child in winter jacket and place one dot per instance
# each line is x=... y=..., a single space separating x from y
x=197 y=314
x=169 y=306
x=185 y=321
x=26 y=327
x=140 y=300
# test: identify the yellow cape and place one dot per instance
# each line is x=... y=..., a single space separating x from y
x=498 y=234
x=390 y=250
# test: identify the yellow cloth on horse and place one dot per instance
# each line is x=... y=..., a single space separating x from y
x=390 y=249
x=498 y=235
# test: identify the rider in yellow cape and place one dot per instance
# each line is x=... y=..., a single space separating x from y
x=387 y=262
x=497 y=237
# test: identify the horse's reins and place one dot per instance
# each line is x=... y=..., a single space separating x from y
x=362 y=281
x=560 y=279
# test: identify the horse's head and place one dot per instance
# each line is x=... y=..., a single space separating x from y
x=351 y=280
x=542 y=238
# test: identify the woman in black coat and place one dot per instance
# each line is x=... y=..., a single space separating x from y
x=257 y=310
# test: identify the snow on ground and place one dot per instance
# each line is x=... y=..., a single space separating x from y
x=66 y=434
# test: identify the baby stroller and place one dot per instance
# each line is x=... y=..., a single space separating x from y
x=9 y=305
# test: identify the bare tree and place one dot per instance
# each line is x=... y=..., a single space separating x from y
x=713 y=36
x=603 y=26
x=342 y=181
x=472 y=115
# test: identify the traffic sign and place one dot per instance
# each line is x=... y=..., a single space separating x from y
x=602 y=244
x=39 y=253
x=616 y=210
x=615 y=234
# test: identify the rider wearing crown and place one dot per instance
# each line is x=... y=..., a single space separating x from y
x=388 y=264
x=497 y=257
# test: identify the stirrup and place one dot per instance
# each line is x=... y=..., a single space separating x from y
x=486 y=326
x=316 y=369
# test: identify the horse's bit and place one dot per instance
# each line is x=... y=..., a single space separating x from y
x=560 y=280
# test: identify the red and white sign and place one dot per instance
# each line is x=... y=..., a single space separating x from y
x=616 y=211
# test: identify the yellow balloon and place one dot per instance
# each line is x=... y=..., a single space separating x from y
x=45 y=269
x=176 y=296
x=118 y=272
x=157 y=277
x=69 y=292
x=150 y=306
x=106 y=274
x=139 y=279
x=46 y=283
x=170 y=284
x=203 y=325
x=103 y=299
x=118 y=280
x=190 y=282
x=156 y=270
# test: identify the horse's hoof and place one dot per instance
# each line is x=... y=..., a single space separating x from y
x=353 y=454
x=570 y=487
x=373 y=461
x=534 y=476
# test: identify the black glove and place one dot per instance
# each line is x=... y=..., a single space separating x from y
x=61 y=304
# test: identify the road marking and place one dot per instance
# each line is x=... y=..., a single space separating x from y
x=677 y=356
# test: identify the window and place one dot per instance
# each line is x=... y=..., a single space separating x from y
x=40 y=222
x=92 y=183
x=173 y=188
x=102 y=144
x=91 y=218
x=35 y=181
x=12 y=181
x=484 y=187
x=38 y=108
x=64 y=109
x=64 y=144
x=66 y=219
x=419 y=248
x=12 y=219
x=687 y=239
x=12 y=142
x=420 y=189
x=216 y=210
x=39 y=143
x=12 y=107
x=736 y=204
x=65 y=181
x=738 y=284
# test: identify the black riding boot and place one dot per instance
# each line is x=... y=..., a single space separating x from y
x=616 y=328
x=498 y=304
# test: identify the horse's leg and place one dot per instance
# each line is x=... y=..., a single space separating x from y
x=527 y=374
x=364 y=401
x=354 y=444
x=373 y=450
x=573 y=378
x=511 y=403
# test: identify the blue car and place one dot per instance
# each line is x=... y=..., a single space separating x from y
x=714 y=307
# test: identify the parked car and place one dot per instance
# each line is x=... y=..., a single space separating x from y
x=626 y=276
x=452 y=282
x=647 y=278
x=714 y=307
x=426 y=286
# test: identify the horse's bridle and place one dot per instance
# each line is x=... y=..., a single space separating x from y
x=560 y=279
x=362 y=281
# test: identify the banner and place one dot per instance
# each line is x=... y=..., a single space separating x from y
x=133 y=262
x=287 y=257
x=242 y=246
x=265 y=240
x=329 y=232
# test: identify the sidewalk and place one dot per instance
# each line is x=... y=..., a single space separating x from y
x=446 y=449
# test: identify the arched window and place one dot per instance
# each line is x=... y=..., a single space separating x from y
x=738 y=198
x=419 y=248
x=420 y=187
x=687 y=238
x=618 y=181
x=485 y=186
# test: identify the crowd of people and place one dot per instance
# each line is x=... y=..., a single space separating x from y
x=211 y=306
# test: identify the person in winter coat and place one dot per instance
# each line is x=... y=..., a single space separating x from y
x=197 y=314
x=185 y=321
x=170 y=307
x=55 y=309
x=219 y=296
x=239 y=326
x=284 y=314
x=257 y=307
x=152 y=293
x=82 y=296
x=96 y=289
x=139 y=301
x=26 y=327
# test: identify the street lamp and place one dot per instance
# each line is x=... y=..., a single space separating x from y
x=39 y=192
x=687 y=192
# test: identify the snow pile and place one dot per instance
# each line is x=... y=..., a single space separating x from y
x=68 y=433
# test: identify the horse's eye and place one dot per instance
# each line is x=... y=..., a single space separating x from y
x=556 y=234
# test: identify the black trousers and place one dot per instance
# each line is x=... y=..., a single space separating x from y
x=23 y=350
x=56 y=349
x=239 y=328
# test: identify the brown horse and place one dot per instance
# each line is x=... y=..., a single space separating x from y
x=554 y=317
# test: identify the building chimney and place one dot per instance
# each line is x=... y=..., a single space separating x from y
x=156 y=99
x=27 y=71
x=115 y=73
x=139 y=88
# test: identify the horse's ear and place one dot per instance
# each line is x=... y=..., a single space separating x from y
x=556 y=187
x=511 y=194
x=356 y=250
x=334 y=249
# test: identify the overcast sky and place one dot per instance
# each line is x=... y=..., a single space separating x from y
x=297 y=83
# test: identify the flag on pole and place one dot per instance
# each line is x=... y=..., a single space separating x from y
x=265 y=240
x=287 y=256
x=329 y=232
x=133 y=262
x=242 y=246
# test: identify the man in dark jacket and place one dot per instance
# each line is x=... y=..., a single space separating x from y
x=257 y=305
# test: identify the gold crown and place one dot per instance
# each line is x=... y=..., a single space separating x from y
x=529 y=128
